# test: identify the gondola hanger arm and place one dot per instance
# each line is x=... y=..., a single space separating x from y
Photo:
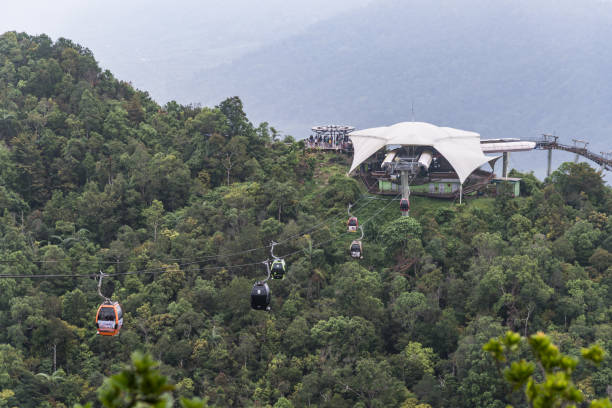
x=102 y=275
x=267 y=263
x=272 y=244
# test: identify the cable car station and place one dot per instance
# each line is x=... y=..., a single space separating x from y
x=428 y=160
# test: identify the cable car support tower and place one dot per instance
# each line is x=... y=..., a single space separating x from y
x=408 y=168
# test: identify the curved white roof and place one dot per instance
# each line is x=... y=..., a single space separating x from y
x=460 y=147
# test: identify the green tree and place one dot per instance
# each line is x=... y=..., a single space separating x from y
x=75 y=308
x=397 y=233
x=154 y=216
x=344 y=337
x=584 y=238
x=575 y=179
x=283 y=403
x=282 y=196
x=233 y=156
x=601 y=259
x=116 y=125
x=513 y=286
x=140 y=385
x=554 y=386
x=340 y=192
x=413 y=362
x=357 y=291
x=169 y=180
x=31 y=177
x=373 y=384
x=238 y=124
x=90 y=111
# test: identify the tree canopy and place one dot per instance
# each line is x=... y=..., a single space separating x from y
x=178 y=204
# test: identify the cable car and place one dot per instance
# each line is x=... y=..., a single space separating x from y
x=356 y=249
x=109 y=318
x=352 y=224
x=260 y=296
x=404 y=205
x=279 y=268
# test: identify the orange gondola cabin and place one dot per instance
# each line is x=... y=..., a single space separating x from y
x=109 y=318
x=352 y=224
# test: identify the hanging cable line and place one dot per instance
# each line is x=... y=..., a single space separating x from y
x=204 y=258
x=109 y=317
x=261 y=294
x=315 y=227
x=139 y=272
x=345 y=232
x=280 y=242
x=165 y=269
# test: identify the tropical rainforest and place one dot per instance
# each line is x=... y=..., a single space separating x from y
x=177 y=206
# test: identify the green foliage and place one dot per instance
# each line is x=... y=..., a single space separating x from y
x=140 y=385
x=340 y=191
x=529 y=183
x=555 y=388
x=399 y=232
x=584 y=238
x=579 y=183
x=94 y=175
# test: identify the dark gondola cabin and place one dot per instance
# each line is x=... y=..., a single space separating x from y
x=260 y=296
x=404 y=205
x=109 y=318
x=356 y=249
x=279 y=268
x=352 y=224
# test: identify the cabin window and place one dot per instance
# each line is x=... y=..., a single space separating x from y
x=107 y=313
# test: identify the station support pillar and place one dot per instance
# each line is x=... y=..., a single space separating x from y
x=549 y=163
x=505 y=165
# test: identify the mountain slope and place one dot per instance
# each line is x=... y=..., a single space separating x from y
x=177 y=205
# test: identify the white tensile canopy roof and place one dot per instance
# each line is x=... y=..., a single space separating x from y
x=460 y=147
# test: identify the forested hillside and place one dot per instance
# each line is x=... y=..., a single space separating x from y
x=178 y=205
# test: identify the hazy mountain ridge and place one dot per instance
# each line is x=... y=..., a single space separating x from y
x=504 y=69
x=152 y=44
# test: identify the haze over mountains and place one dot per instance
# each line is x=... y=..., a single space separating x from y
x=504 y=69
x=154 y=44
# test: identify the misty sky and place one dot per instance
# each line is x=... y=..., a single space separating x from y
x=127 y=36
